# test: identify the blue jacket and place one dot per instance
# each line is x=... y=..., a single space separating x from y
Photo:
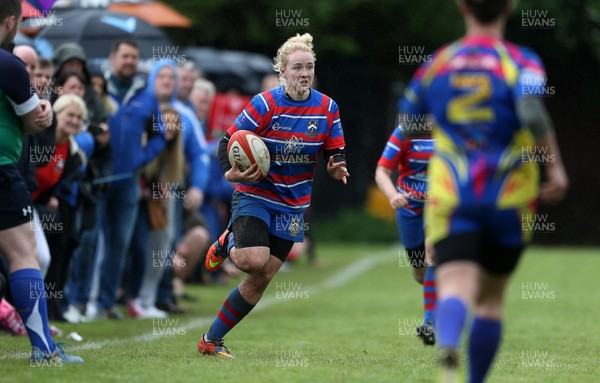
x=136 y=110
x=194 y=143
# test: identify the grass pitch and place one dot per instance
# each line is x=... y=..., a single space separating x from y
x=351 y=319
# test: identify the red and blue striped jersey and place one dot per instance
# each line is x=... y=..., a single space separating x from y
x=295 y=132
x=410 y=157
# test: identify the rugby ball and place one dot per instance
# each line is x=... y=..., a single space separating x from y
x=248 y=149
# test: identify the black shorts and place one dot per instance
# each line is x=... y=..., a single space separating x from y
x=250 y=231
x=493 y=258
x=15 y=200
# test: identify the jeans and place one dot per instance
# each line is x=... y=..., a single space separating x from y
x=138 y=249
x=120 y=215
x=164 y=294
x=82 y=265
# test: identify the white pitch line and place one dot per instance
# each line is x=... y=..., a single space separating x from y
x=337 y=280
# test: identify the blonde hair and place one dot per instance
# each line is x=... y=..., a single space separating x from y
x=293 y=44
x=204 y=84
x=67 y=100
x=168 y=166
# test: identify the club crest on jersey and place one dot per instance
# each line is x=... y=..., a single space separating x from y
x=294 y=228
x=313 y=126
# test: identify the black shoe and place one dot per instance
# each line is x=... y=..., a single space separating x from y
x=427 y=334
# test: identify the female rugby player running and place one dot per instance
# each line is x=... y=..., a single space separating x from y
x=296 y=123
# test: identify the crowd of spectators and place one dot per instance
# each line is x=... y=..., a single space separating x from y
x=127 y=189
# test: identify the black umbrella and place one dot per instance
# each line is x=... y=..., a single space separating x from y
x=97 y=29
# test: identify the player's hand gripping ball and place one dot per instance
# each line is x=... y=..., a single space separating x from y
x=247 y=148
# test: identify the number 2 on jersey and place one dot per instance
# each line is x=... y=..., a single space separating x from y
x=466 y=108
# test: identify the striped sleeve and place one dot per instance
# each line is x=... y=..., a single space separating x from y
x=251 y=117
x=390 y=158
x=335 y=140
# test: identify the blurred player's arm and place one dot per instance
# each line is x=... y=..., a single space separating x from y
x=533 y=114
x=15 y=84
x=383 y=178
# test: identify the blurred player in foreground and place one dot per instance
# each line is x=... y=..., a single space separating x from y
x=296 y=123
x=22 y=112
x=483 y=93
x=410 y=157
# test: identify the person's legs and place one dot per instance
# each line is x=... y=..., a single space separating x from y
x=62 y=245
x=29 y=293
x=411 y=230
x=426 y=331
x=244 y=297
x=57 y=243
x=498 y=263
x=260 y=255
x=121 y=208
x=138 y=247
x=253 y=260
x=26 y=284
x=158 y=259
x=157 y=255
x=165 y=298
x=42 y=244
x=457 y=286
x=79 y=275
x=84 y=259
x=189 y=251
x=17 y=244
x=81 y=267
x=457 y=276
x=486 y=328
x=429 y=295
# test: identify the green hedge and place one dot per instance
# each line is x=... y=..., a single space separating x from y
x=354 y=226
